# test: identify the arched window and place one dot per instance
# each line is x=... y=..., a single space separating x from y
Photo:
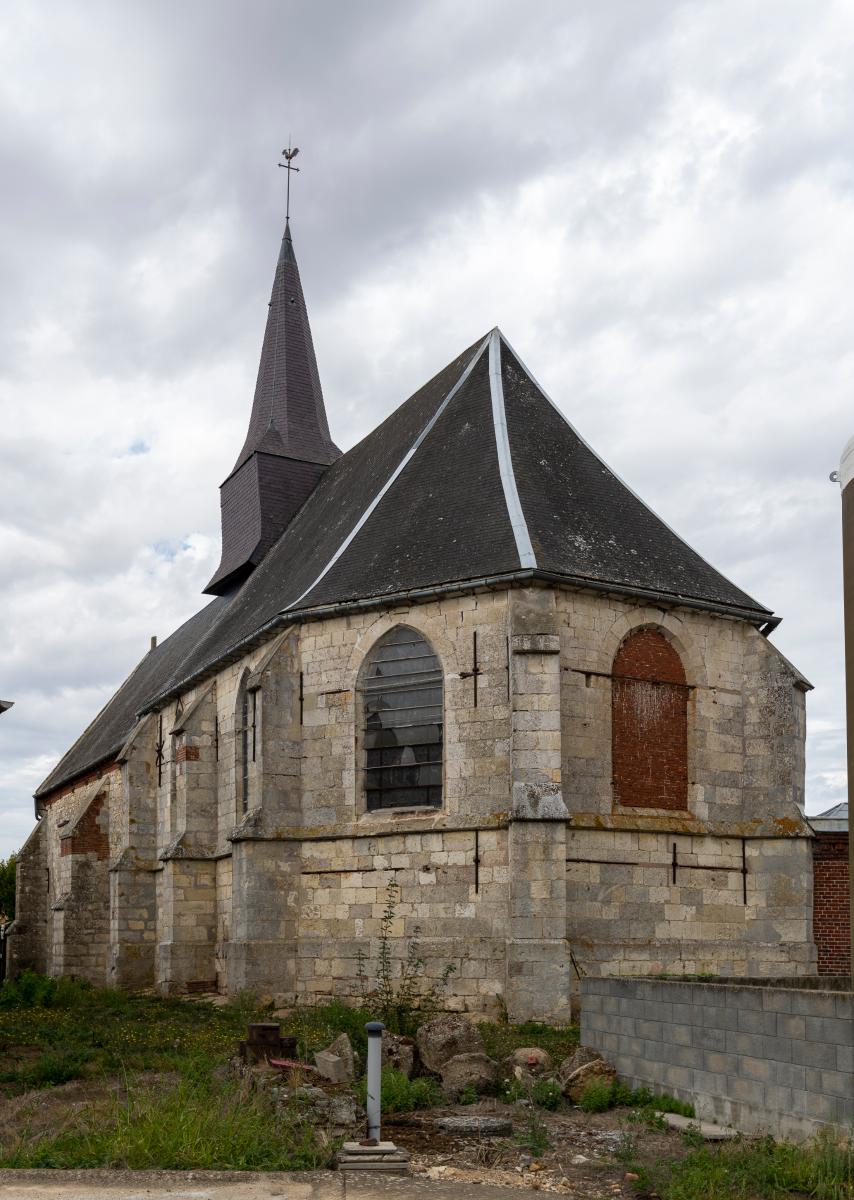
x=402 y=696
x=649 y=724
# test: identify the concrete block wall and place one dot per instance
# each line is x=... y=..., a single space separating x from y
x=775 y=1058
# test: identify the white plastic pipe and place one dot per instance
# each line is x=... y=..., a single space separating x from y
x=374 y=1087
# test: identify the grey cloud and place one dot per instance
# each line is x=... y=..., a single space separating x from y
x=688 y=164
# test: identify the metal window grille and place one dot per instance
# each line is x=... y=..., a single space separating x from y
x=403 y=723
x=244 y=751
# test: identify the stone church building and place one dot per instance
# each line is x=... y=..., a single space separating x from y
x=463 y=656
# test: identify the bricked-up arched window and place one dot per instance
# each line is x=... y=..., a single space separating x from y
x=402 y=695
x=649 y=724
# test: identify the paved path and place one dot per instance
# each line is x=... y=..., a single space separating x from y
x=221 y=1185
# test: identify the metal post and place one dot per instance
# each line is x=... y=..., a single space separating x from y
x=846 y=480
x=374 y=1088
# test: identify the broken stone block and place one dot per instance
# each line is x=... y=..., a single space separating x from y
x=463 y=1071
x=445 y=1037
x=577 y=1059
x=343 y=1049
x=399 y=1053
x=529 y=1062
x=479 y=1126
x=331 y=1066
x=575 y=1084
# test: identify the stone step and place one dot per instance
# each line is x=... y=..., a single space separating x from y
x=712 y=1133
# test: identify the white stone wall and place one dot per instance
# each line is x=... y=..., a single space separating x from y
x=284 y=897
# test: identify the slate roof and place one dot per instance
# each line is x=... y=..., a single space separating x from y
x=476 y=476
x=287 y=446
x=288 y=414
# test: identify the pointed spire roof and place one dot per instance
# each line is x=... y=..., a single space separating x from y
x=287 y=446
x=288 y=414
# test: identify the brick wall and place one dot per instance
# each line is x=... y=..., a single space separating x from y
x=649 y=724
x=831 y=903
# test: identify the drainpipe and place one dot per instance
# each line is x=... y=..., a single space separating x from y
x=846 y=481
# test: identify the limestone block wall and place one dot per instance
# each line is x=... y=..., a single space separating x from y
x=81 y=910
x=69 y=933
x=456 y=907
x=749 y=911
x=241 y=853
x=745 y=715
x=27 y=946
x=133 y=863
x=630 y=914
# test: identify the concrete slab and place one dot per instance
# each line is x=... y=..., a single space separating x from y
x=712 y=1133
x=236 y=1185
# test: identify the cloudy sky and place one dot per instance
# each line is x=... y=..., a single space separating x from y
x=655 y=201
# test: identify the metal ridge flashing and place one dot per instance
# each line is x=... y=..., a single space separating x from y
x=846 y=465
x=616 y=474
x=525 y=550
x=362 y=521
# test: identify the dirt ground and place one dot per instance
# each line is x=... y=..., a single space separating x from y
x=584 y=1156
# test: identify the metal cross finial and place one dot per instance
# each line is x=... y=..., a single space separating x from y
x=288 y=165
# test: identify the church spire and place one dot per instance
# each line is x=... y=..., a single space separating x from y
x=288 y=446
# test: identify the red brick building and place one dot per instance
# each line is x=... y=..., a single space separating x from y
x=831 y=884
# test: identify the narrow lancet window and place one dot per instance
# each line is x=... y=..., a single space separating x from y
x=403 y=713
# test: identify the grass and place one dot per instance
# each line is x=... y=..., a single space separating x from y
x=197 y=1125
x=600 y=1096
x=763 y=1170
x=502 y=1039
x=400 y=1094
x=86 y=1031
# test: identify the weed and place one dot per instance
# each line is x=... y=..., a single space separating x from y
x=468 y=1095
x=626 y=1147
x=188 y=1128
x=400 y=1094
x=599 y=1096
x=547 y=1094
x=596 y=1097
x=766 y=1170
x=533 y=1136
x=692 y=1138
x=402 y=1004
x=31 y=990
x=512 y=1090
x=501 y=1039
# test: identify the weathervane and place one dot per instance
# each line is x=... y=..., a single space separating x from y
x=287 y=164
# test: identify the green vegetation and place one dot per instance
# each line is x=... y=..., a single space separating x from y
x=7 y=888
x=197 y=1125
x=762 y=1170
x=401 y=1003
x=533 y=1136
x=400 y=1094
x=547 y=1093
x=599 y=1096
x=502 y=1039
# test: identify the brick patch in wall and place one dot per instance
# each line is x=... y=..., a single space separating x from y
x=88 y=836
x=831 y=904
x=649 y=724
x=187 y=754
